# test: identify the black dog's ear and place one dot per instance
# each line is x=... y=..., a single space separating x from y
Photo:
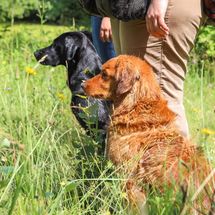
x=71 y=51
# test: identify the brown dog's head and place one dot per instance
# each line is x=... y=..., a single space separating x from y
x=121 y=75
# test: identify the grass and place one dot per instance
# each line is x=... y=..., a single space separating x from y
x=47 y=163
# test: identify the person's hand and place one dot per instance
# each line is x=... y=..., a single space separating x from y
x=155 y=23
x=105 y=30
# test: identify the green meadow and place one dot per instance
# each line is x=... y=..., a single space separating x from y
x=47 y=163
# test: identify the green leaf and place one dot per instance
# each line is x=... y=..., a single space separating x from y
x=70 y=187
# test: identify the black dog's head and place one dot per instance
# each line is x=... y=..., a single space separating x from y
x=64 y=48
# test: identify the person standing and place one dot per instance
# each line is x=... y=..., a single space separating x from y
x=102 y=37
x=164 y=39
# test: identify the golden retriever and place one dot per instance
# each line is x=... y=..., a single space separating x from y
x=143 y=139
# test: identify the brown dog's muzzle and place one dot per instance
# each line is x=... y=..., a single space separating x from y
x=88 y=87
x=93 y=87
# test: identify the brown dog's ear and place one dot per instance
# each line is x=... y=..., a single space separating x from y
x=125 y=78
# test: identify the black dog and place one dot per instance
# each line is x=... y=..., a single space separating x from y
x=76 y=51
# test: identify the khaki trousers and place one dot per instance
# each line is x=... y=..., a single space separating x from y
x=168 y=56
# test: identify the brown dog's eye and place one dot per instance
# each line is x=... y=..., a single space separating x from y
x=104 y=76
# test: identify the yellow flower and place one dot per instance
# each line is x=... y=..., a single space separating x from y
x=207 y=131
x=61 y=96
x=30 y=71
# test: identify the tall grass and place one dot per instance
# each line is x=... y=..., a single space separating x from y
x=47 y=163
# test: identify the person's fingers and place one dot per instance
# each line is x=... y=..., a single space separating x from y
x=106 y=35
x=160 y=32
x=157 y=34
x=157 y=27
x=153 y=28
x=102 y=35
x=153 y=25
x=163 y=26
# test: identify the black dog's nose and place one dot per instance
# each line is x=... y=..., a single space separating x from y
x=37 y=54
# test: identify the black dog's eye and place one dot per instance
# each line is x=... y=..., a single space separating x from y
x=104 y=76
